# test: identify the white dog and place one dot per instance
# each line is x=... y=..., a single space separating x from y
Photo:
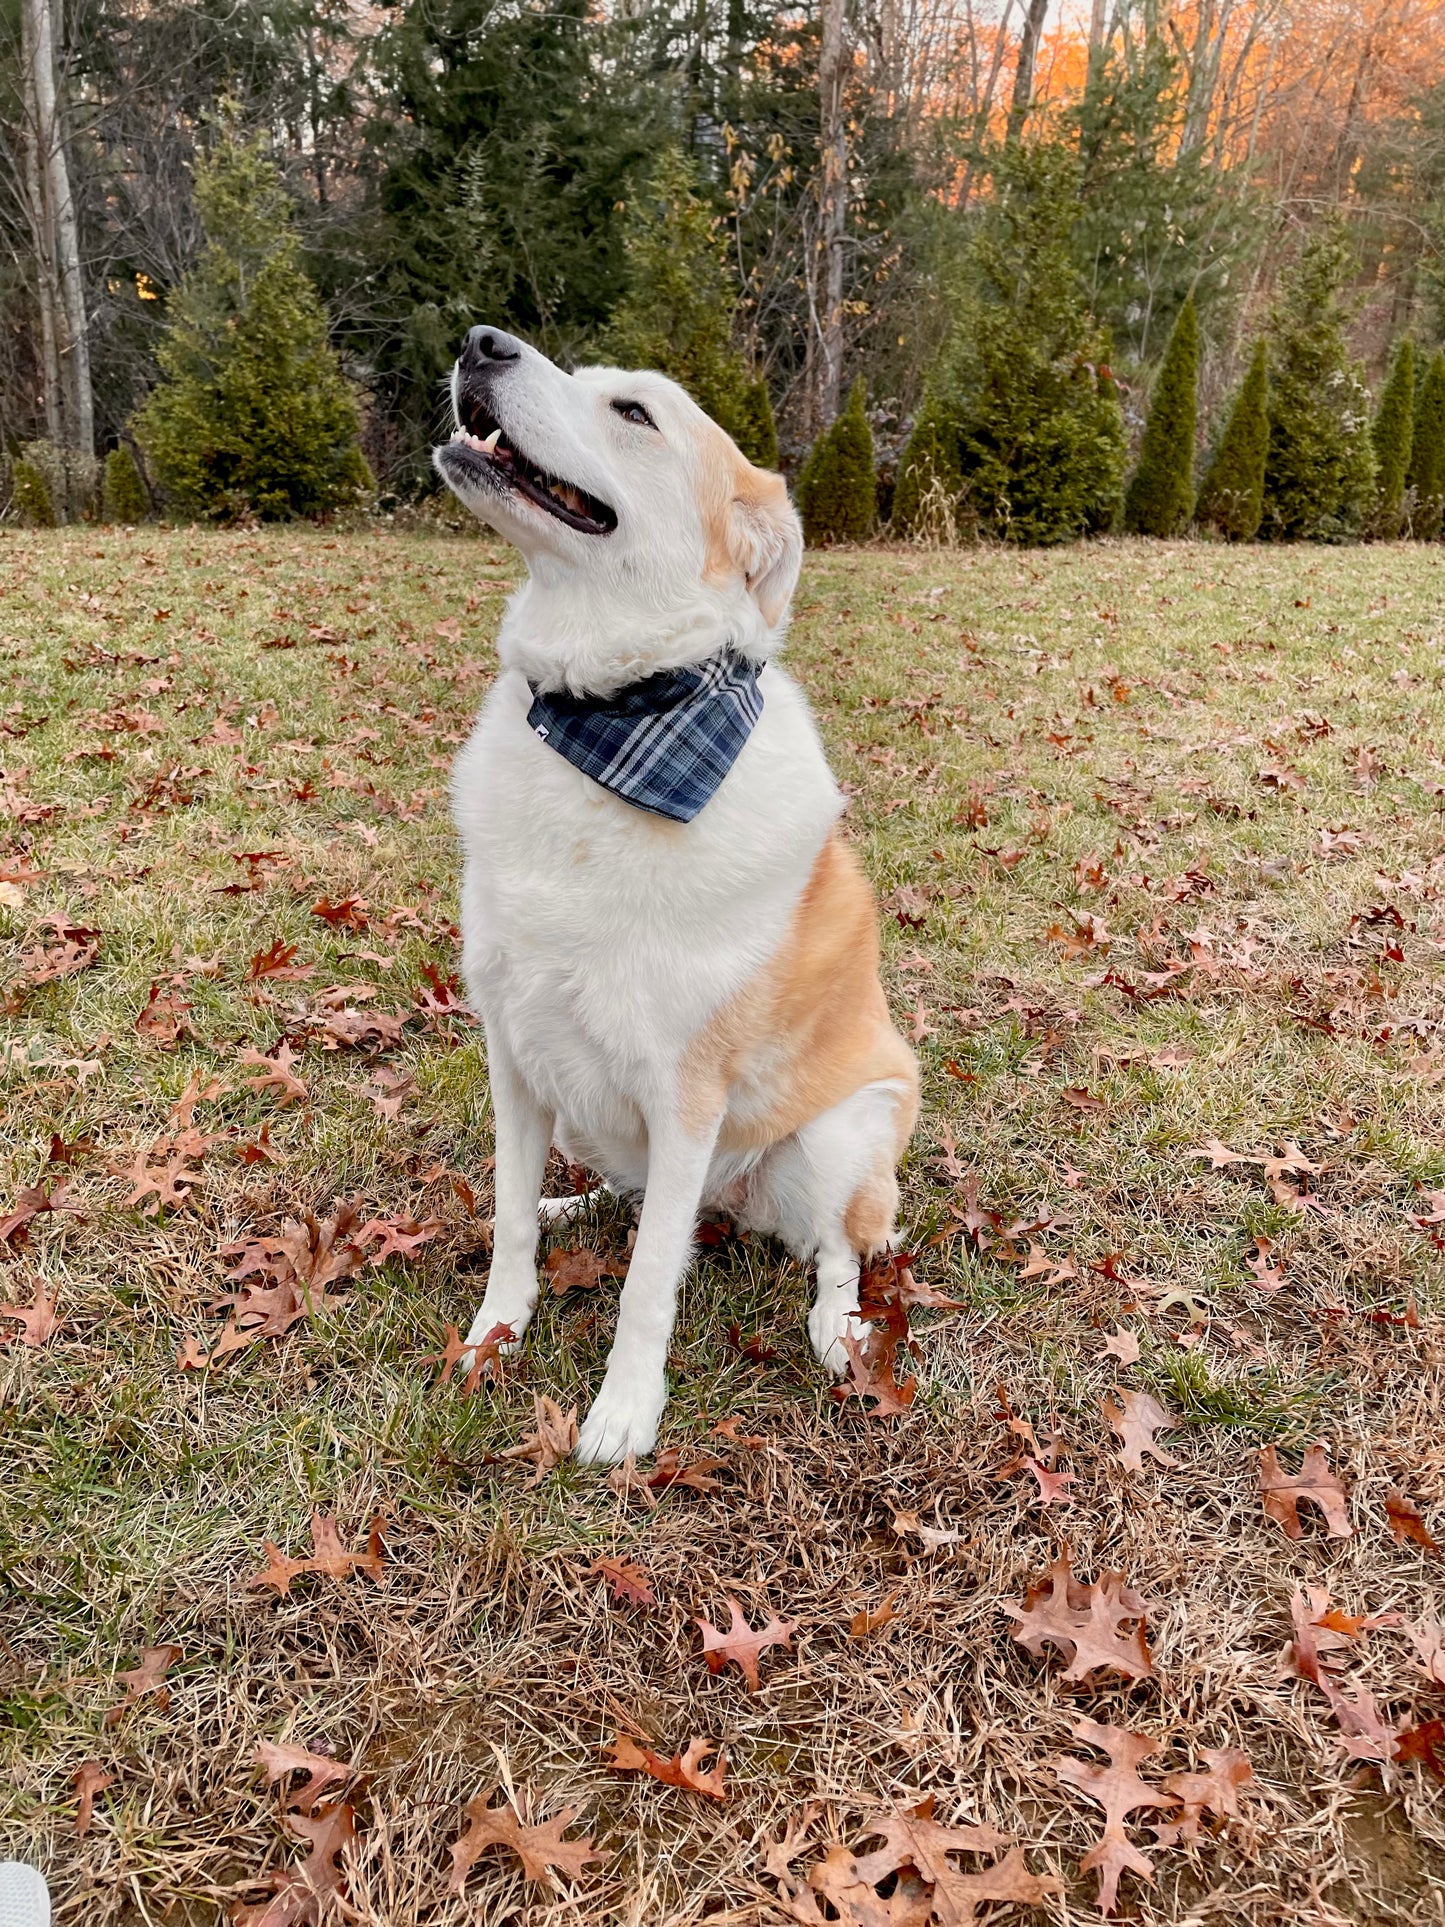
x=673 y=952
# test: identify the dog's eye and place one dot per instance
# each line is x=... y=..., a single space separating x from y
x=633 y=411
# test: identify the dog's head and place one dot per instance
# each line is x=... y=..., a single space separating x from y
x=624 y=497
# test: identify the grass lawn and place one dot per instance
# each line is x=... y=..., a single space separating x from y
x=1158 y=831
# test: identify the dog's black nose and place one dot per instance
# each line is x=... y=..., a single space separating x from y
x=485 y=345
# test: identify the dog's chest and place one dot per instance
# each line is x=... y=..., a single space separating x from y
x=591 y=928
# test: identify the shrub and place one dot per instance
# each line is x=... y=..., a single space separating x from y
x=1393 y=436
x=837 y=492
x=252 y=416
x=676 y=311
x=925 y=497
x=123 y=493
x=1160 y=500
x=756 y=433
x=1040 y=439
x=1427 y=458
x=71 y=477
x=1231 y=496
x=1319 y=477
x=30 y=496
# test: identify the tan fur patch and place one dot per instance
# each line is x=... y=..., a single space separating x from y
x=746 y=517
x=809 y=1029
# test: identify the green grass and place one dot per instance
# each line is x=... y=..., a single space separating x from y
x=1127 y=732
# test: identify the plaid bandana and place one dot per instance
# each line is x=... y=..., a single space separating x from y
x=664 y=744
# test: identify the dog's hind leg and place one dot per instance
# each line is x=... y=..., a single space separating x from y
x=830 y=1193
x=564 y=1210
x=524 y=1137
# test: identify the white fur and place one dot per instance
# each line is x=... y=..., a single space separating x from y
x=599 y=940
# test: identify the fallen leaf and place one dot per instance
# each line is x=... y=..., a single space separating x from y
x=1135 y=1417
x=1118 y=1789
x=682 y=1770
x=279 y=1757
x=89 y=1779
x=1216 y=1791
x=539 y=1848
x=552 y=1441
x=627 y=1581
x=1407 y=1522
x=1123 y=1345
x=1282 y=1492
x=668 y=1470
x=1267 y=1276
x=147 y=1677
x=579 y=1270
x=1083 y=1100
x=872 y=1619
x=1086 y=1623
x=37 y=1321
x=1053 y=1486
x=318 y=1880
x=740 y=1645
x=275 y=1074
x=1220 y=1155
x=329 y=1557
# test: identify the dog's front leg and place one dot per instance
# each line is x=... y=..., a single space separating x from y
x=523 y=1138
x=626 y=1410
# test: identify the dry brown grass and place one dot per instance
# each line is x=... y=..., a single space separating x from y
x=1104 y=717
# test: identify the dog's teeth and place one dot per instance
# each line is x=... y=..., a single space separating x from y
x=488 y=447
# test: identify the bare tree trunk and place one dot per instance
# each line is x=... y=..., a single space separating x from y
x=62 y=231
x=1023 y=93
x=40 y=235
x=832 y=210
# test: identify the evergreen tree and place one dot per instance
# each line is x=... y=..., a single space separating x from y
x=1393 y=435
x=252 y=415
x=1320 y=471
x=925 y=497
x=1427 y=459
x=756 y=432
x=676 y=312
x=837 y=492
x=1160 y=500
x=1231 y=496
x=123 y=493
x=1040 y=439
x=30 y=496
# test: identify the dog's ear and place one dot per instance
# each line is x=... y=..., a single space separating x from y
x=766 y=540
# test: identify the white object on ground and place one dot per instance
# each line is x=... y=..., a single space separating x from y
x=24 y=1896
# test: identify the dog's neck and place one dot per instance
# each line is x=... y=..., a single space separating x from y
x=566 y=635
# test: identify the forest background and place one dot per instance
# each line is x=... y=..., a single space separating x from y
x=819 y=177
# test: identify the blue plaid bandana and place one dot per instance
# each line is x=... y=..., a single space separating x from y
x=664 y=744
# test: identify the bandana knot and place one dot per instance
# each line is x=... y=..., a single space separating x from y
x=663 y=744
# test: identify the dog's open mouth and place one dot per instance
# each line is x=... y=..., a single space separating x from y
x=481 y=436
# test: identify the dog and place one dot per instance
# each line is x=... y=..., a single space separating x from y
x=672 y=951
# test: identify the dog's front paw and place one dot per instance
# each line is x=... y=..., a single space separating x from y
x=828 y=1326
x=623 y=1419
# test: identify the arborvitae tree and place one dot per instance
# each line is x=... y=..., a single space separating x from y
x=676 y=314
x=925 y=497
x=1231 y=496
x=837 y=491
x=756 y=432
x=30 y=496
x=1040 y=439
x=1394 y=434
x=1160 y=500
x=1319 y=478
x=123 y=493
x=1427 y=459
x=252 y=415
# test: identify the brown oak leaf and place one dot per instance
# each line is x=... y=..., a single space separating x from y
x=1135 y=1417
x=275 y=1073
x=329 y=1557
x=279 y=1757
x=682 y=1770
x=1407 y=1522
x=627 y=1581
x=539 y=1848
x=1282 y=1492
x=147 y=1677
x=552 y=1441
x=1086 y=1623
x=1215 y=1791
x=1118 y=1789
x=740 y=1645
x=579 y=1270
x=89 y=1779
x=301 y=1891
x=37 y=1320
